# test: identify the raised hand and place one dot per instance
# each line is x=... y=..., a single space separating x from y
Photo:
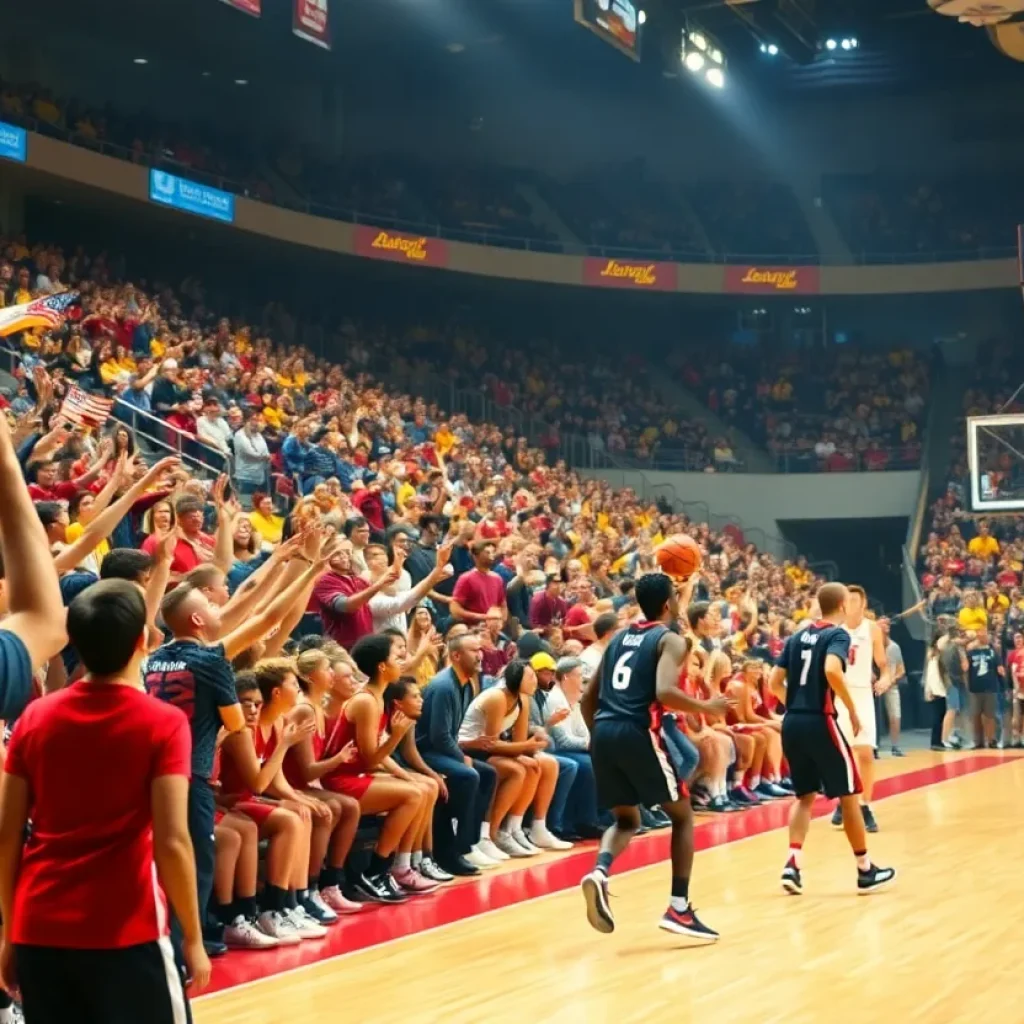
x=296 y=732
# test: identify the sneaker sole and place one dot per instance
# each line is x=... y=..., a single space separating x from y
x=600 y=920
x=792 y=888
x=697 y=938
x=877 y=887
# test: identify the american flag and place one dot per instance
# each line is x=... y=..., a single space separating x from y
x=85 y=410
x=48 y=313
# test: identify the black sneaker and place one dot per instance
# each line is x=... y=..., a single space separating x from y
x=869 y=819
x=661 y=819
x=897 y=752
x=599 y=911
x=719 y=805
x=379 y=888
x=791 y=880
x=687 y=923
x=873 y=879
x=837 y=816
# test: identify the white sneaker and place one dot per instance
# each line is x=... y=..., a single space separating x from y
x=243 y=934
x=491 y=849
x=508 y=846
x=305 y=926
x=479 y=860
x=544 y=840
x=275 y=924
x=520 y=837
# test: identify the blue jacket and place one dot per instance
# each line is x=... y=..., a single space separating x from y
x=444 y=706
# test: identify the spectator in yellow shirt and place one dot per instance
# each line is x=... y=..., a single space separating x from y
x=984 y=545
x=972 y=615
x=995 y=602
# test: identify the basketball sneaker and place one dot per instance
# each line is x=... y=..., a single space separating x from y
x=791 y=880
x=379 y=889
x=540 y=837
x=412 y=882
x=837 y=816
x=278 y=926
x=508 y=846
x=429 y=868
x=315 y=908
x=492 y=850
x=243 y=934
x=685 y=922
x=869 y=819
x=520 y=837
x=306 y=926
x=873 y=879
x=338 y=902
x=742 y=796
x=595 y=893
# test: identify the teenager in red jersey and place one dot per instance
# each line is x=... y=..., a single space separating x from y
x=248 y=766
x=746 y=719
x=361 y=723
x=305 y=766
x=87 y=923
x=235 y=878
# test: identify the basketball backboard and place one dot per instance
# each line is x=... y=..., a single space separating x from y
x=995 y=461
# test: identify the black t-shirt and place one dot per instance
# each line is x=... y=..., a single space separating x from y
x=628 y=688
x=803 y=658
x=199 y=680
x=982 y=670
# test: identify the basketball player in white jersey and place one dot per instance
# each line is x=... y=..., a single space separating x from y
x=866 y=649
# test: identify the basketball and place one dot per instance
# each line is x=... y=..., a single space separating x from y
x=678 y=556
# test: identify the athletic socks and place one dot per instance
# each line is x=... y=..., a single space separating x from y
x=246 y=906
x=378 y=864
x=755 y=781
x=863 y=860
x=331 y=876
x=796 y=855
x=291 y=899
x=224 y=912
x=485 y=831
x=680 y=894
x=604 y=862
x=514 y=822
x=403 y=861
x=274 y=898
x=417 y=858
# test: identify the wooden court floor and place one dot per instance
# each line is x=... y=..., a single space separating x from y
x=938 y=948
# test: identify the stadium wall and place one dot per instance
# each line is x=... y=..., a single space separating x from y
x=759 y=501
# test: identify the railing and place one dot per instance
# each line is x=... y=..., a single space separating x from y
x=808 y=462
x=505 y=240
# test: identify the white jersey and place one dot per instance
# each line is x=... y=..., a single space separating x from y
x=858 y=669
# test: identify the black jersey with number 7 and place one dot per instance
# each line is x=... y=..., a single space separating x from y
x=803 y=658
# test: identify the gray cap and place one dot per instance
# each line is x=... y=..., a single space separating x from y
x=565 y=665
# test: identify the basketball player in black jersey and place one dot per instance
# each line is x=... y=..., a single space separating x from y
x=639 y=672
x=807 y=679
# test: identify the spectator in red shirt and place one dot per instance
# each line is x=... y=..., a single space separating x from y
x=579 y=618
x=496 y=650
x=495 y=526
x=547 y=607
x=343 y=599
x=46 y=486
x=479 y=589
x=86 y=922
x=371 y=507
x=194 y=546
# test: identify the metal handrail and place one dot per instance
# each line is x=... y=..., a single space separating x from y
x=502 y=239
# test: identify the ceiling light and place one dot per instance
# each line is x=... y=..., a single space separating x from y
x=140 y=60
x=764 y=49
x=241 y=81
x=853 y=43
x=716 y=56
x=694 y=61
x=773 y=50
x=699 y=41
x=845 y=44
x=641 y=17
x=715 y=77
x=830 y=44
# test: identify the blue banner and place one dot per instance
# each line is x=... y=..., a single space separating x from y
x=190 y=196
x=13 y=142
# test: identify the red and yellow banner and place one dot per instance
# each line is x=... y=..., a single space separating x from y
x=384 y=244
x=772 y=280
x=310 y=22
x=252 y=7
x=637 y=274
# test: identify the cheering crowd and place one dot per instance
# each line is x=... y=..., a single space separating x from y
x=364 y=643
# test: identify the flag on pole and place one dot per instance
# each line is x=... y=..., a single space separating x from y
x=85 y=410
x=48 y=313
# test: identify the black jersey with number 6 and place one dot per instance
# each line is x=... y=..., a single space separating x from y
x=628 y=684
x=803 y=658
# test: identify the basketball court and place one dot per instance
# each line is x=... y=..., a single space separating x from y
x=511 y=947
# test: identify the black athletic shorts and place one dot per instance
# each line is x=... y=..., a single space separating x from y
x=819 y=757
x=631 y=766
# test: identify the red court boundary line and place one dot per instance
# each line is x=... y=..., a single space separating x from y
x=379 y=925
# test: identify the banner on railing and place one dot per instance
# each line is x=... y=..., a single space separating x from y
x=252 y=7
x=190 y=196
x=772 y=280
x=310 y=22
x=13 y=143
x=637 y=274
x=382 y=244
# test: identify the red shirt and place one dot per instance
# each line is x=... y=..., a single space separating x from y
x=477 y=591
x=1015 y=660
x=495 y=529
x=371 y=506
x=546 y=610
x=578 y=615
x=64 y=491
x=90 y=754
x=185 y=557
x=347 y=627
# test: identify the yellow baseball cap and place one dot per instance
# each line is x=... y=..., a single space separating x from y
x=542 y=660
